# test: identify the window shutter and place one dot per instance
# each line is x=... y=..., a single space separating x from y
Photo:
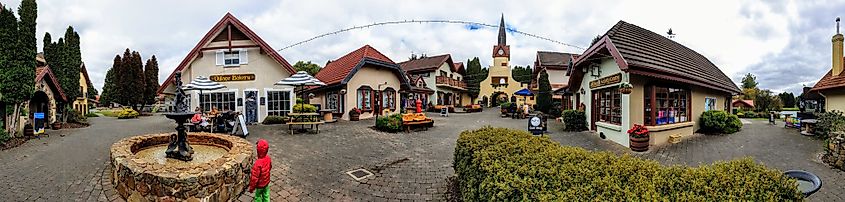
x=219 y=58
x=243 y=56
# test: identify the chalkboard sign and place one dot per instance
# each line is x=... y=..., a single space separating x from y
x=243 y=124
x=444 y=111
x=536 y=125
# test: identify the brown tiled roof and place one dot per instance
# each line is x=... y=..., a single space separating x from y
x=336 y=71
x=45 y=73
x=227 y=19
x=553 y=60
x=459 y=67
x=425 y=64
x=643 y=52
x=829 y=81
x=749 y=103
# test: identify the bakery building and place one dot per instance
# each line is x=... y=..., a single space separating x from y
x=672 y=85
x=234 y=56
x=364 y=79
x=831 y=86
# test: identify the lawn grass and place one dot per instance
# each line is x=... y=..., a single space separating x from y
x=790 y=109
x=109 y=112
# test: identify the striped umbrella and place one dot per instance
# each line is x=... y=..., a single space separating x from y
x=301 y=78
x=203 y=83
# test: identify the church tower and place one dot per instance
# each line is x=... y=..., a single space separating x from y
x=499 y=85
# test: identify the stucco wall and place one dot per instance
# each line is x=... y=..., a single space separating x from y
x=834 y=100
x=81 y=102
x=497 y=70
x=698 y=95
x=266 y=70
x=557 y=76
x=370 y=76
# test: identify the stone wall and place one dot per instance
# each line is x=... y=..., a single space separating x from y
x=219 y=180
x=835 y=152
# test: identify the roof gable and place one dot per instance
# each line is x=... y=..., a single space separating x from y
x=828 y=81
x=85 y=74
x=227 y=20
x=339 y=70
x=426 y=64
x=643 y=52
x=45 y=73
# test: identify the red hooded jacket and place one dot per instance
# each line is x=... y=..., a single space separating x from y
x=261 y=169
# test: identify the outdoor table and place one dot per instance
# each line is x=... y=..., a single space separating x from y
x=808 y=127
x=312 y=119
x=327 y=114
x=211 y=119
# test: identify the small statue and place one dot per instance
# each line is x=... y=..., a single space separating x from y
x=181 y=105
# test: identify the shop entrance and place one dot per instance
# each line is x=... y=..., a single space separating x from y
x=39 y=104
x=251 y=106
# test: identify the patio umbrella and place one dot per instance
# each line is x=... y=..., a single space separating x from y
x=524 y=92
x=300 y=79
x=202 y=83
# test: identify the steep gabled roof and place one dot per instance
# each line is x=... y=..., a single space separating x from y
x=749 y=103
x=829 y=81
x=553 y=60
x=643 y=52
x=427 y=64
x=459 y=67
x=227 y=19
x=45 y=73
x=338 y=70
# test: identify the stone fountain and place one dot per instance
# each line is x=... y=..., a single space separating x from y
x=165 y=167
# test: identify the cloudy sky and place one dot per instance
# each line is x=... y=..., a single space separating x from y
x=785 y=43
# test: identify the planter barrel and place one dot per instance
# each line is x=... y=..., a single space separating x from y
x=625 y=90
x=354 y=117
x=56 y=126
x=638 y=144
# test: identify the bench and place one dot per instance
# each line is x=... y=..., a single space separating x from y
x=424 y=124
x=312 y=124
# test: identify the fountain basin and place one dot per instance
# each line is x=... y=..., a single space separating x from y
x=219 y=171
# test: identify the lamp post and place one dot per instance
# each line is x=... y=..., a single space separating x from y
x=378 y=107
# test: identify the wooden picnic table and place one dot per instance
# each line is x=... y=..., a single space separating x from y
x=312 y=119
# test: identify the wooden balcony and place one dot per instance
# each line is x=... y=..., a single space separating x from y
x=443 y=81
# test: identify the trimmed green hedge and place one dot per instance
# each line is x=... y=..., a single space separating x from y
x=390 y=123
x=497 y=164
x=127 y=113
x=714 y=121
x=269 y=120
x=574 y=120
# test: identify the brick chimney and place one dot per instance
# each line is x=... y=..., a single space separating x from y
x=837 y=51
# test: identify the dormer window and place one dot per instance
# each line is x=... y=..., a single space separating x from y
x=232 y=58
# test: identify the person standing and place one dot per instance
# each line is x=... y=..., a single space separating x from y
x=259 y=180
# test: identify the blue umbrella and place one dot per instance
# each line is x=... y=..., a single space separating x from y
x=524 y=92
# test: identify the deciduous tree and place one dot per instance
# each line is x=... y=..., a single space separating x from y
x=309 y=67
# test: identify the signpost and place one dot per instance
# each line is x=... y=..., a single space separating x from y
x=537 y=125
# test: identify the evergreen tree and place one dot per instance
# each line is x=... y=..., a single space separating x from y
x=92 y=92
x=474 y=75
x=521 y=74
x=17 y=62
x=135 y=75
x=150 y=81
x=788 y=99
x=749 y=81
x=544 y=95
x=110 y=86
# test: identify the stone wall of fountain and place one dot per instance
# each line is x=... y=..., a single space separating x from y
x=217 y=178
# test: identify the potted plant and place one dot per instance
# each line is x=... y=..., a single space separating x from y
x=56 y=125
x=504 y=107
x=354 y=114
x=625 y=88
x=638 y=136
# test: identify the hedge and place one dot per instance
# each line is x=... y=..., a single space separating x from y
x=391 y=123
x=269 y=120
x=829 y=122
x=715 y=121
x=127 y=113
x=497 y=164
x=574 y=120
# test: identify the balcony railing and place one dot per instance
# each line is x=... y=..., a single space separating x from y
x=442 y=80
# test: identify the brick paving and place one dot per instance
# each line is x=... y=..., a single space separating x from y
x=406 y=166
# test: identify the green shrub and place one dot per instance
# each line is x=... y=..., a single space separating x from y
x=829 y=122
x=497 y=164
x=574 y=120
x=304 y=108
x=505 y=105
x=74 y=116
x=390 y=123
x=555 y=111
x=4 y=136
x=127 y=113
x=274 y=120
x=92 y=115
x=714 y=121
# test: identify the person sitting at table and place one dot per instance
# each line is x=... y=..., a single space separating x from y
x=213 y=111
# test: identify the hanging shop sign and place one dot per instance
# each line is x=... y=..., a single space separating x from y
x=232 y=77
x=612 y=79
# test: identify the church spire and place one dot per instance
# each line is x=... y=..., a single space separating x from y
x=502 y=39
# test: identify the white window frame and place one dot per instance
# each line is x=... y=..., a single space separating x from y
x=197 y=93
x=292 y=99
x=231 y=56
x=708 y=108
x=223 y=56
x=242 y=108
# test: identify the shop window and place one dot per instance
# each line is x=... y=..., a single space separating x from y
x=666 y=105
x=388 y=98
x=222 y=101
x=566 y=103
x=333 y=101
x=609 y=105
x=365 y=96
x=709 y=104
x=278 y=103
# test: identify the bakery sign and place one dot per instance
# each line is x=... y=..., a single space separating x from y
x=232 y=77
x=612 y=79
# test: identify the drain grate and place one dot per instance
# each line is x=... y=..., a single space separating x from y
x=359 y=174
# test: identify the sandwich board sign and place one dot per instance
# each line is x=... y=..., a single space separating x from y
x=536 y=125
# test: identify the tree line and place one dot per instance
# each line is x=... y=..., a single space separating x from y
x=765 y=100
x=130 y=82
x=18 y=47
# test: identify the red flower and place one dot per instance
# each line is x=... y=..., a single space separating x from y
x=638 y=131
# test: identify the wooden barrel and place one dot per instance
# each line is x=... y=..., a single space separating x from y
x=638 y=144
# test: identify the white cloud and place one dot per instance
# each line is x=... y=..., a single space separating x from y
x=733 y=34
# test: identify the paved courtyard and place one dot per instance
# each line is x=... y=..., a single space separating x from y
x=69 y=165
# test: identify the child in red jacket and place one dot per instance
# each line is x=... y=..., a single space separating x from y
x=260 y=176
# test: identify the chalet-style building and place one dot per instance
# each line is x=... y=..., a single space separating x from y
x=746 y=105
x=672 y=85
x=234 y=56
x=556 y=65
x=419 y=91
x=448 y=77
x=80 y=104
x=48 y=94
x=499 y=85
x=832 y=85
x=364 y=79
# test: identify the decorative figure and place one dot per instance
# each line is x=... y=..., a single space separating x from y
x=179 y=147
x=419 y=106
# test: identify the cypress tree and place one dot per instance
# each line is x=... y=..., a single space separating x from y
x=544 y=95
x=150 y=80
x=17 y=60
x=124 y=84
x=8 y=45
x=111 y=84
